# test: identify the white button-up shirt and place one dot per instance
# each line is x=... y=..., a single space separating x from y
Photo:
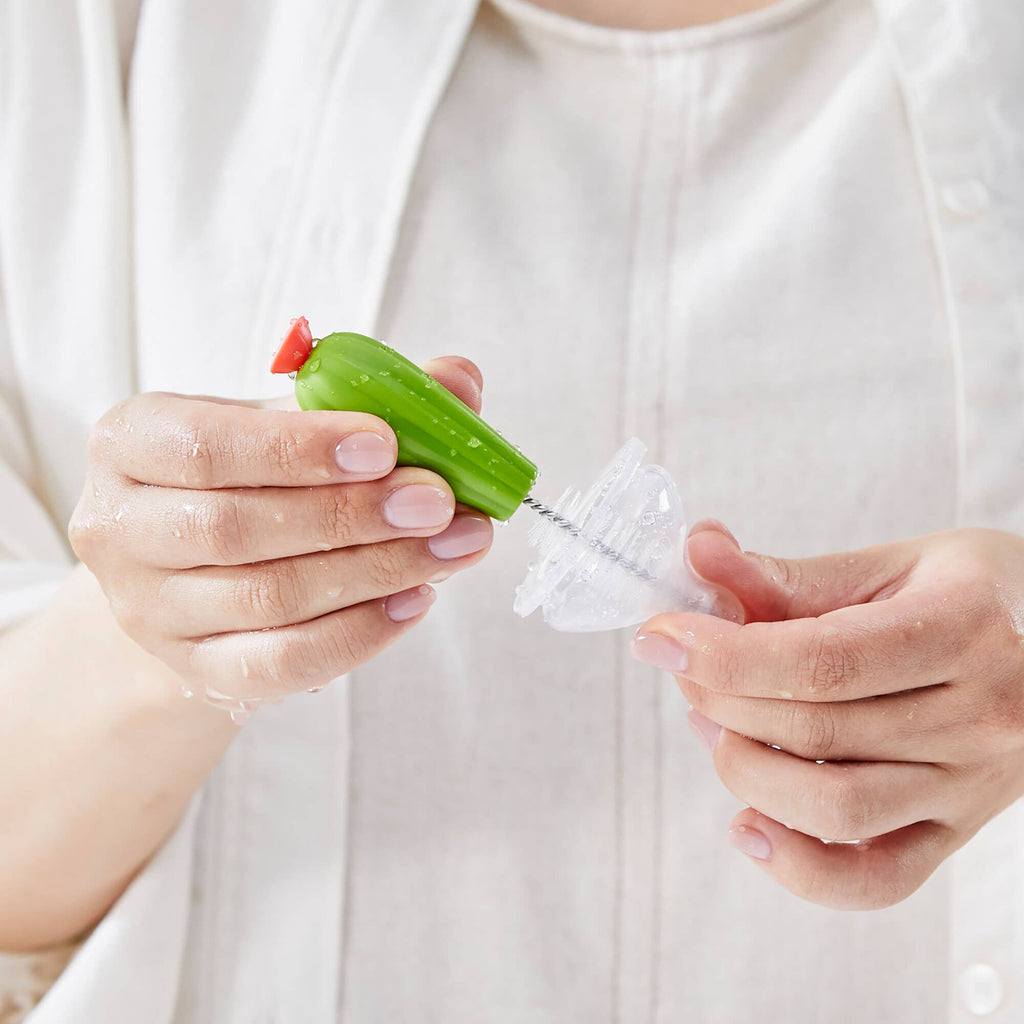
x=294 y=182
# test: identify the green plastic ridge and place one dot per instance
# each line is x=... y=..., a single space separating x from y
x=434 y=429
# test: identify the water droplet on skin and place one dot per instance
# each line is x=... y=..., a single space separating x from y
x=278 y=518
x=95 y=491
x=187 y=693
x=245 y=666
x=240 y=717
x=785 y=694
x=316 y=689
x=332 y=594
x=177 y=533
x=474 y=442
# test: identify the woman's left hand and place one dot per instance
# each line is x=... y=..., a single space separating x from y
x=874 y=696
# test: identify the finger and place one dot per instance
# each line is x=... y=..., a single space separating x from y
x=274 y=662
x=218 y=599
x=909 y=641
x=832 y=800
x=172 y=441
x=173 y=529
x=872 y=874
x=911 y=726
x=771 y=588
x=460 y=376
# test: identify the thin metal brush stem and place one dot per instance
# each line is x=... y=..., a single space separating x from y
x=602 y=549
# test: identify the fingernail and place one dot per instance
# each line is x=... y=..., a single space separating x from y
x=409 y=603
x=365 y=452
x=658 y=650
x=713 y=524
x=751 y=842
x=466 y=535
x=418 y=507
x=706 y=730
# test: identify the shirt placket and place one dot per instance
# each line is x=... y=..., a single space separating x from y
x=659 y=164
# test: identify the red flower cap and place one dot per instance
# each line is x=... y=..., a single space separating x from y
x=295 y=348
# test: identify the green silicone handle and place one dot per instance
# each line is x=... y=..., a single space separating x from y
x=434 y=429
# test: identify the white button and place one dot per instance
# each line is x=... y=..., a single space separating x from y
x=965 y=198
x=981 y=989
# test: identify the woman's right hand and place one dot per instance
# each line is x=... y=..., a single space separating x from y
x=259 y=552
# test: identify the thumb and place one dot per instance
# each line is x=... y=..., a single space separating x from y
x=460 y=376
x=771 y=589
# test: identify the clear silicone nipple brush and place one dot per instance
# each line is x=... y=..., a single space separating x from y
x=609 y=558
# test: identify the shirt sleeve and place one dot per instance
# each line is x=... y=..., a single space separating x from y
x=34 y=552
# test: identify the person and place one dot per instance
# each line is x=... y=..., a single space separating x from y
x=780 y=242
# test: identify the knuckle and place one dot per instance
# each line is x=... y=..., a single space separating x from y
x=196 y=445
x=830 y=660
x=282 y=453
x=271 y=590
x=845 y=810
x=337 y=510
x=299 y=660
x=83 y=533
x=386 y=567
x=90 y=529
x=131 y=616
x=102 y=443
x=214 y=525
x=344 y=649
x=814 y=729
